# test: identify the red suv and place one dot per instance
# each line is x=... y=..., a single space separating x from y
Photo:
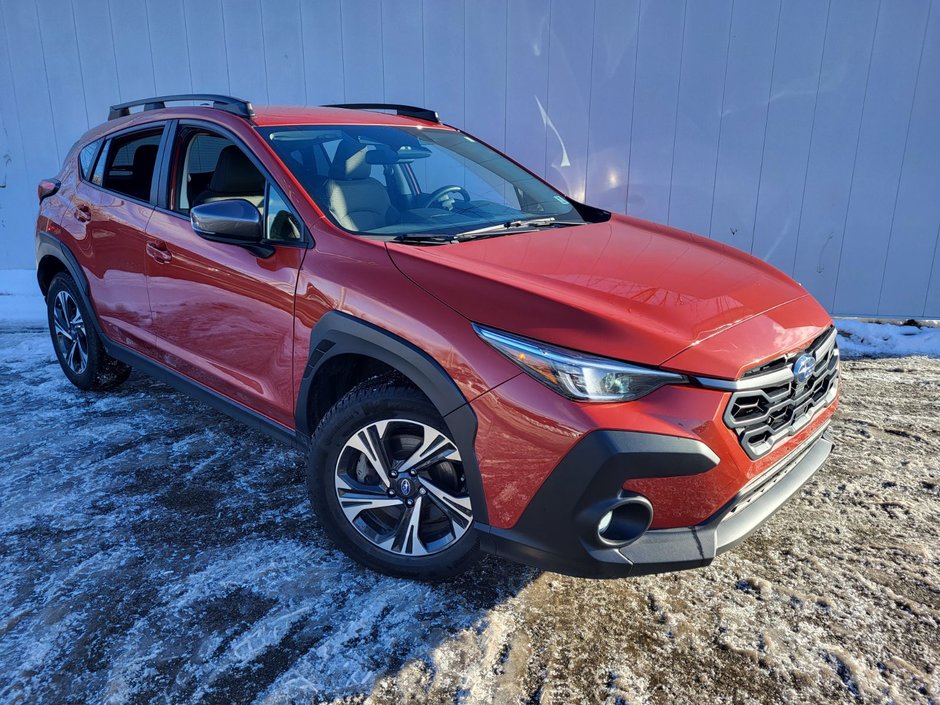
x=471 y=359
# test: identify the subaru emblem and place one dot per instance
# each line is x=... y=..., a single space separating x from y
x=803 y=368
x=405 y=486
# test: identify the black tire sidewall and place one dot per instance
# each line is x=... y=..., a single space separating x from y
x=362 y=406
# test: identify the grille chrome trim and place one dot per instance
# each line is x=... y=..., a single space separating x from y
x=769 y=379
x=778 y=405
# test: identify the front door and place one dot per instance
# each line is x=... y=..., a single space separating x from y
x=223 y=315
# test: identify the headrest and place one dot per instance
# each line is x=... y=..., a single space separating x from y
x=349 y=162
x=145 y=157
x=234 y=173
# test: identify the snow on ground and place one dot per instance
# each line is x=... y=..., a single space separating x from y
x=152 y=550
x=21 y=304
x=867 y=339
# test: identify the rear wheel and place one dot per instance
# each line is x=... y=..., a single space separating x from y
x=77 y=346
x=388 y=482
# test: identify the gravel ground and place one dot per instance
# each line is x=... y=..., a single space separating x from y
x=152 y=550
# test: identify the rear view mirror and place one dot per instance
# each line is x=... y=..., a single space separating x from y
x=233 y=221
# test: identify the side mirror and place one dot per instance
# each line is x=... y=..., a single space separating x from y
x=234 y=221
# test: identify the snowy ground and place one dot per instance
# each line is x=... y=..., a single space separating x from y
x=152 y=550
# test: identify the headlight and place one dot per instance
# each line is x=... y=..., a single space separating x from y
x=576 y=375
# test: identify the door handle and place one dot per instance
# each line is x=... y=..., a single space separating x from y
x=82 y=213
x=157 y=249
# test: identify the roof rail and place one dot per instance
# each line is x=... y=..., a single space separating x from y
x=236 y=106
x=406 y=110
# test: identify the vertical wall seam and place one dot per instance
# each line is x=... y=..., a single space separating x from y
x=303 y=50
x=81 y=68
x=228 y=72
x=763 y=146
x=505 y=144
x=548 y=86
x=153 y=73
x=342 y=48
x=907 y=135
x=117 y=72
x=382 y=48
x=466 y=70
x=812 y=135
x=675 y=125
x=189 y=55
x=45 y=73
x=636 y=71
x=590 y=104
x=858 y=141
x=721 y=120
x=424 y=53
x=933 y=262
x=264 y=53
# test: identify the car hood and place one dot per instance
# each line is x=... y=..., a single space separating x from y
x=625 y=289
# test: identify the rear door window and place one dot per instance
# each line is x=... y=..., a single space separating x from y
x=130 y=163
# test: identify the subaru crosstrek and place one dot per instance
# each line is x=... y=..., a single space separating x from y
x=472 y=360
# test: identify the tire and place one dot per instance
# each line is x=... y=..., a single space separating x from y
x=78 y=347
x=418 y=524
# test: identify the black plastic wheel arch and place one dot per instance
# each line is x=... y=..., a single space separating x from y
x=338 y=333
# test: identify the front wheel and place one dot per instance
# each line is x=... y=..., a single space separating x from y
x=388 y=483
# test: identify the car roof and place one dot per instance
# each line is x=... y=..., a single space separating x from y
x=261 y=116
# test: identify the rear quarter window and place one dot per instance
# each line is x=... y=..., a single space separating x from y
x=86 y=158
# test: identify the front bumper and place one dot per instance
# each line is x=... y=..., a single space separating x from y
x=557 y=532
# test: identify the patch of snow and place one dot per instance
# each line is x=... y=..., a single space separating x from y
x=21 y=303
x=867 y=339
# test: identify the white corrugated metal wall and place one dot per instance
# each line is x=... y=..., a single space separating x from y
x=804 y=131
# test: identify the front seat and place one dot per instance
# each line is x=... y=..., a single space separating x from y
x=356 y=200
x=234 y=177
x=145 y=158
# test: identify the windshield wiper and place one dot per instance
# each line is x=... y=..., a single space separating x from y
x=425 y=238
x=500 y=228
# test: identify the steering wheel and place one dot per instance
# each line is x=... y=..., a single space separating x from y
x=438 y=195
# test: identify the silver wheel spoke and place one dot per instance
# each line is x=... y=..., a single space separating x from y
x=62 y=331
x=368 y=441
x=456 y=509
x=434 y=448
x=405 y=538
x=355 y=498
x=59 y=319
x=354 y=503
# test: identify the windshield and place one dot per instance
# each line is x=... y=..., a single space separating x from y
x=397 y=181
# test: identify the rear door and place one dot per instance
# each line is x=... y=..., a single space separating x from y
x=223 y=315
x=113 y=204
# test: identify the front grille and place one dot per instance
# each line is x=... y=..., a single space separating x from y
x=762 y=415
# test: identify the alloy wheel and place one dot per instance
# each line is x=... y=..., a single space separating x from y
x=400 y=483
x=70 y=334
